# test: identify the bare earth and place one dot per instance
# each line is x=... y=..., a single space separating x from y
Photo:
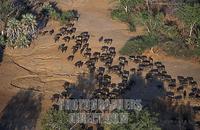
x=44 y=68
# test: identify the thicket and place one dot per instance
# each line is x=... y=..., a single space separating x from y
x=63 y=16
x=172 y=26
x=137 y=120
x=19 y=20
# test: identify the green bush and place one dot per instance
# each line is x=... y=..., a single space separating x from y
x=142 y=120
x=63 y=16
x=55 y=120
x=132 y=25
x=51 y=11
x=66 y=16
x=119 y=14
x=20 y=33
x=179 y=49
x=139 y=44
x=2 y=40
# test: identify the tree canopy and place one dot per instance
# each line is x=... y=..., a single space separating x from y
x=21 y=32
x=142 y=120
x=189 y=14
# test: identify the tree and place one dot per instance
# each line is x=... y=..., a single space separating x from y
x=21 y=32
x=125 y=11
x=5 y=9
x=2 y=40
x=13 y=31
x=153 y=24
x=49 y=9
x=55 y=120
x=29 y=24
x=23 y=41
x=142 y=120
x=127 y=5
x=190 y=16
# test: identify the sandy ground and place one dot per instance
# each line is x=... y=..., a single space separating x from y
x=44 y=68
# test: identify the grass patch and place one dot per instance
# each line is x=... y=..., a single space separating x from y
x=139 y=44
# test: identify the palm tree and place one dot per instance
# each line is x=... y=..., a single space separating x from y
x=13 y=30
x=23 y=41
x=29 y=25
x=21 y=33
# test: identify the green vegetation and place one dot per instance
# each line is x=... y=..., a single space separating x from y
x=189 y=14
x=55 y=14
x=21 y=32
x=19 y=24
x=152 y=24
x=139 y=44
x=19 y=28
x=179 y=49
x=123 y=12
x=66 y=16
x=15 y=8
x=2 y=41
x=178 y=37
x=142 y=120
x=55 y=120
x=5 y=10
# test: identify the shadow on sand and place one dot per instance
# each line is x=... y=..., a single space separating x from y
x=1 y=53
x=172 y=114
x=22 y=112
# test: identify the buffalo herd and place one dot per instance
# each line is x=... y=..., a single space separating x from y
x=176 y=89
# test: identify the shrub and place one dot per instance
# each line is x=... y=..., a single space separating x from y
x=142 y=120
x=179 y=49
x=131 y=23
x=66 y=16
x=20 y=33
x=2 y=40
x=55 y=120
x=49 y=9
x=119 y=14
x=189 y=14
x=139 y=44
x=62 y=16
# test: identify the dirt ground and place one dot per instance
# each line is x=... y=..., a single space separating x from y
x=44 y=68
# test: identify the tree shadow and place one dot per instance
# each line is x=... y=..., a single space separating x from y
x=1 y=53
x=86 y=83
x=83 y=88
x=22 y=111
x=143 y=89
x=43 y=16
x=171 y=114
